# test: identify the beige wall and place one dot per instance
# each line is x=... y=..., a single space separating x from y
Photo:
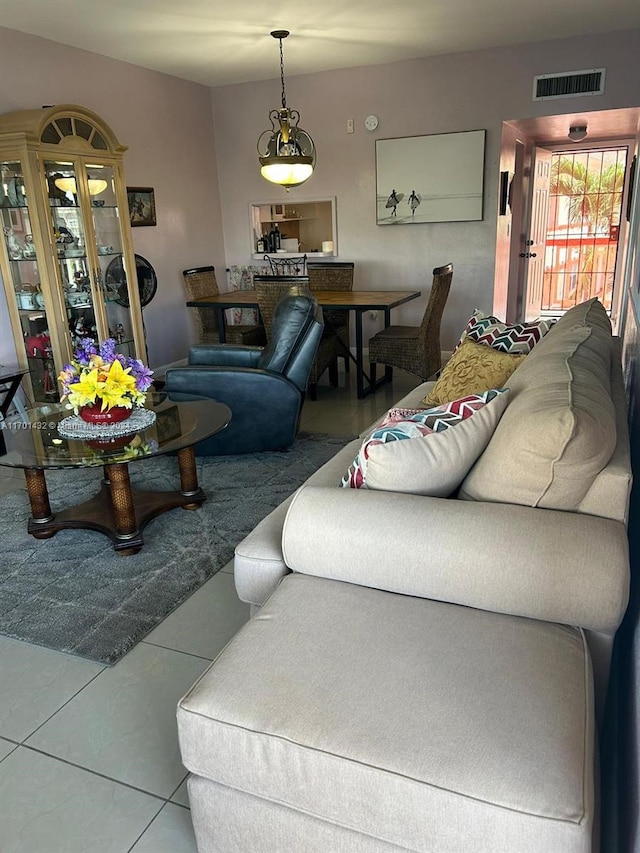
x=168 y=126
x=436 y=95
x=205 y=178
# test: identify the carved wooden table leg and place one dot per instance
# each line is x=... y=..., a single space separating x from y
x=117 y=510
x=124 y=512
x=39 y=500
x=189 y=478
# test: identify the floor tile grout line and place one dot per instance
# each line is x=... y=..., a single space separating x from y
x=171 y=649
x=153 y=820
x=186 y=776
x=163 y=800
x=64 y=704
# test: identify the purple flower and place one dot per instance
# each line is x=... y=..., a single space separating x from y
x=108 y=350
x=141 y=373
x=85 y=350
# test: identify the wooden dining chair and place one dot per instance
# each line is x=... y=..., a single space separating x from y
x=269 y=289
x=334 y=275
x=415 y=349
x=200 y=282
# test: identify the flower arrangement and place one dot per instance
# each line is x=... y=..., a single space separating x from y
x=99 y=376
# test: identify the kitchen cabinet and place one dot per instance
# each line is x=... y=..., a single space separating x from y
x=65 y=220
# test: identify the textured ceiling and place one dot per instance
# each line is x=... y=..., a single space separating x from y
x=218 y=43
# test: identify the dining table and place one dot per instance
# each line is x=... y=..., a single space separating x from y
x=358 y=301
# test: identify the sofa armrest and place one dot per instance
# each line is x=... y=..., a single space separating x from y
x=543 y=564
x=225 y=355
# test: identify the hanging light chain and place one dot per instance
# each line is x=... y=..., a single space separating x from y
x=284 y=96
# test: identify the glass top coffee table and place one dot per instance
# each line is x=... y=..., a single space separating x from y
x=31 y=441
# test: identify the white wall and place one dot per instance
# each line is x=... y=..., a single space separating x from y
x=168 y=126
x=435 y=95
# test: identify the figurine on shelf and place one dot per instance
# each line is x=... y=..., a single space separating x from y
x=39 y=346
x=80 y=280
x=13 y=244
x=29 y=251
x=62 y=234
x=80 y=329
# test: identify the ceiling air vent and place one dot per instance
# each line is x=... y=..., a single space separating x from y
x=568 y=84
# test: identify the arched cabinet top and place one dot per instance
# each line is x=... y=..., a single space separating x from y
x=65 y=126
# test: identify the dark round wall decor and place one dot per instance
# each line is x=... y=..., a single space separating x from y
x=147 y=280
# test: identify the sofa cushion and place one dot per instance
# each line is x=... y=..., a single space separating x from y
x=519 y=338
x=397 y=728
x=472 y=369
x=590 y=313
x=429 y=452
x=559 y=429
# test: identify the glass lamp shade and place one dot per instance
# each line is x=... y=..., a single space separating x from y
x=68 y=185
x=286 y=171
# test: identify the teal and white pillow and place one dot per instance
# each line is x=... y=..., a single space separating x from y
x=429 y=452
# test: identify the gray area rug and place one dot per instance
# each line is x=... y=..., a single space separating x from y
x=73 y=593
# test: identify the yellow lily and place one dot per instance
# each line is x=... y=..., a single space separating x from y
x=118 y=387
x=86 y=389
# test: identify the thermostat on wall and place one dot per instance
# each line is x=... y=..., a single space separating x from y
x=371 y=122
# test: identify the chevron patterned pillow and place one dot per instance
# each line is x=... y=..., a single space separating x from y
x=519 y=338
x=439 y=458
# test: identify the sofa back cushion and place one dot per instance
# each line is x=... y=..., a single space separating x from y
x=559 y=429
x=590 y=313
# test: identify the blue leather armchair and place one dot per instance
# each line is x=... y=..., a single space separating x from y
x=264 y=388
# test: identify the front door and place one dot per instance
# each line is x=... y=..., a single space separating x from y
x=535 y=240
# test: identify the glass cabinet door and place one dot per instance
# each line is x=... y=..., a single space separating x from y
x=107 y=229
x=86 y=229
x=26 y=278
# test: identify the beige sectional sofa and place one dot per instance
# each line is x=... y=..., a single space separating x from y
x=425 y=673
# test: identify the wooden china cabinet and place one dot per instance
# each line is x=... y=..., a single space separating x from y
x=67 y=255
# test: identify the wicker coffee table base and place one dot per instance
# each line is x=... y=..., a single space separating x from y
x=117 y=510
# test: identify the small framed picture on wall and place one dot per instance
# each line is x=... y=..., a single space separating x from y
x=142 y=206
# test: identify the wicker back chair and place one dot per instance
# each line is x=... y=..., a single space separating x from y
x=336 y=275
x=200 y=282
x=287 y=266
x=269 y=289
x=415 y=349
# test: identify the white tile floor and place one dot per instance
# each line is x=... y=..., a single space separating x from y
x=89 y=759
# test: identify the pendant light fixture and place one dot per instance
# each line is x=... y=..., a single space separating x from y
x=286 y=152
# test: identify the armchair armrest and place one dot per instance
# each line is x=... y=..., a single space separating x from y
x=225 y=355
x=265 y=407
x=543 y=564
x=230 y=384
